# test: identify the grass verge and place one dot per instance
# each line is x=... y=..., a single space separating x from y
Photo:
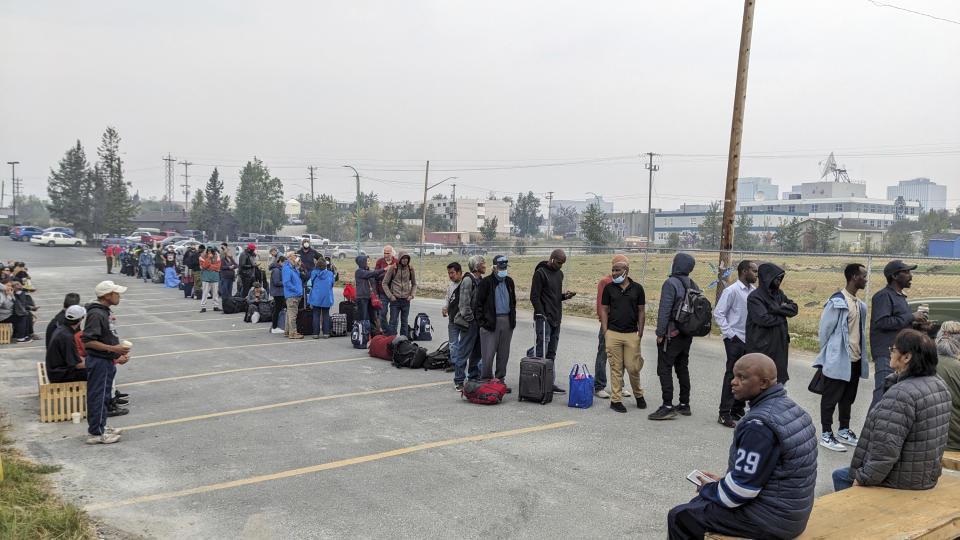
x=29 y=508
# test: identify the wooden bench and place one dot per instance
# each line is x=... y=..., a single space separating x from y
x=58 y=401
x=884 y=513
x=6 y=333
x=951 y=460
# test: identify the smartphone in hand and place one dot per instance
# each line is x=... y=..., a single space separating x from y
x=697 y=478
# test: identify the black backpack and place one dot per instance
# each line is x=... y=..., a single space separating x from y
x=438 y=359
x=695 y=315
x=407 y=354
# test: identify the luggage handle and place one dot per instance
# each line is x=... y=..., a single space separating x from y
x=543 y=318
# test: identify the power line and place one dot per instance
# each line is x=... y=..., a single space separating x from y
x=881 y=4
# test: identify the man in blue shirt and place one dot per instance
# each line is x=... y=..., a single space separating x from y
x=772 y=466
x=496 y=313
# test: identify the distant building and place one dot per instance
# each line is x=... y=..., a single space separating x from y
x=581 y=206
x=626 y=224
x=468 y=215
x=930 y=195
x=170 y=220
x=756 y=188
x=794 y=193
x=687 y=223
x=946 y=245
x=851 y=234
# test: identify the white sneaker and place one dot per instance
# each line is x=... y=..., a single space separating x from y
x=106 y=438
x=277 y=330
x=603 y=394
x=827 y=440
x=108 y=429
x=255 y=318
x=626 y=392
x=847 y=436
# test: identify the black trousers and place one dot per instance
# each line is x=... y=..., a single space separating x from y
x=278 y=304
x=694 y=519
x=840 y=392
x=72 y=375
x=735 y=348
x=674 y=355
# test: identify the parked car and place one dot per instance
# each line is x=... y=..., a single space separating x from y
x=150 y=239
x=22 y=233
x=195 y=234
x=174 y=239
x=181 y=246
x=472 y=249
x=435 y=249
x=342 y=251
x=294 y=221
x=245 y=237
x=316 y=240
x=64 y=230
x=52 y=239
x=114 y=241
x=4 y=230
x=137 y=235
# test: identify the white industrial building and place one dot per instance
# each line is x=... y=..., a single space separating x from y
x=468 y=215
x=921 y=190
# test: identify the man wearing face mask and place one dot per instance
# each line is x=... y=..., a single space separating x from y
x=622 y=313
x=546 y=294
x=308 y=259
x=496 y=313
x=767 y=311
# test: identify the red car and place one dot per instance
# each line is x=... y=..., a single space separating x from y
x=151 y=238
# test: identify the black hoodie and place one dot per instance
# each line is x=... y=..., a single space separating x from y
x=546 y=293
x=100 y=326
x=767 y=311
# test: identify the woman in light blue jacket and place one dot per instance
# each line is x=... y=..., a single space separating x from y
x=843 y=348
x=321 y=297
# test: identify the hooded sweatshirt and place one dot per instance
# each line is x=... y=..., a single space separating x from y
x=364 y=277
x=276 y=279
x=100 y=326
x=400 y=280
x=672 y=293
x=546 y=293
x=767 y=311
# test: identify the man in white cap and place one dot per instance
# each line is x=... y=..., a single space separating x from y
x=103 y=353
x=63 y=358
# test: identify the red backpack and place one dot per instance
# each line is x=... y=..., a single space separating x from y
x=484 y=392
x=349 y=293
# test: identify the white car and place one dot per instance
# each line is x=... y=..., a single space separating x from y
x=180 y=247
x=436 y=249
x=315 y=239
x=137 y=235
x=56 y=239
x=342 y=251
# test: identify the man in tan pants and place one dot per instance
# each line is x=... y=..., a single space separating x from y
x=622 y=314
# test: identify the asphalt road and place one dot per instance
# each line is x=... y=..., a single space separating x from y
x=256 y=436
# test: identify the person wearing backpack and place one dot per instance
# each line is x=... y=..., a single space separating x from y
x=400 y=283
x=321 y=297
x=731 y=316
x=276 y=291
x=468 y=359
x=767 y=311
x=673 y=348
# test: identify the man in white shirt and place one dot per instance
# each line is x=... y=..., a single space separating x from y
x=731 y=316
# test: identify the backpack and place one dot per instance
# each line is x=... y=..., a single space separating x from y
x=695 y=315
x=349 y=293
x=407 y=354
x=421 y=330
x=483 y=392
x=381 y=347
x=360 y=334
x=438 y=359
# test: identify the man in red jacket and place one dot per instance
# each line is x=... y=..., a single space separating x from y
x=109 y=254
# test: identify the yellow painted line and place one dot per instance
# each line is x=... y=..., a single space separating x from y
x=283 y=404
x=196 y=310
x=227 y=371
x=134 y=339
x=325 y=466
x=203 y=319
x=270 y=344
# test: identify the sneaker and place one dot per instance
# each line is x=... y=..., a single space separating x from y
x=328 y=336
x=626 y=391
x=508 y=390
x=203 y=310
x=458 y=387
x=602 y=394
x=665 y=412
x=296 y=336
x=847 y=436
x=316 y=336
x=737 y=415
x=112 y=431
x=684 y=409
x=558 y=390
x=218 y=309
x=121 y=401
x=34 y=337
x=827 y=440
x=726 y=420
x=255 y=318
x=641 y=403
x=276 y=330
x=618 y=407
x=120 y=394
x=117 y=411
x=106 y=438
x=23 y=339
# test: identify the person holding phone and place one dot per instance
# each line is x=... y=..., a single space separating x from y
x=547 y=297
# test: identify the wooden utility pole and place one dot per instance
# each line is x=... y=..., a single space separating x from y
x=736 y=134
x=423 y=221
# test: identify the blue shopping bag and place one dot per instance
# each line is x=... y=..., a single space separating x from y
x=581 y=387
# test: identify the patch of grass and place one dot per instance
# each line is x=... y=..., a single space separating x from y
x=29 y=509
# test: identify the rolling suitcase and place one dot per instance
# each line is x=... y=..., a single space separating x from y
x=349 y=309
x=305 y=322
x=536 y=374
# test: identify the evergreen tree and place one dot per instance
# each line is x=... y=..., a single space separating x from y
x=564 y=220
x=708 y=232
x=216 y=205
x=116 y=207
x=823 y=236
x=899 y=242
x=198 y=212
x=743 y=239
x=326 y=219
x=525 y=214
x=489 y=229
x=259 y=199
x=673 y=240
x=69 y=191
x=933 y=222
x=787 y=236
x=593 y=227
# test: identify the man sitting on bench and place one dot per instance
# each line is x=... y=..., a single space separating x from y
x=64 y=363
x=771 y=471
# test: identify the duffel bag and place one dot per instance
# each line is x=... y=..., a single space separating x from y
x=483 y=392
x=381 y=347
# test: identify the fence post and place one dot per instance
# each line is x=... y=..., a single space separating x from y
x=866 y=291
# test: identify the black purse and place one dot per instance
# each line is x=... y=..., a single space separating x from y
x=819 y=382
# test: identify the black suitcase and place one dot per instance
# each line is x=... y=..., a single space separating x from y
x=305 y=322
x=349 y=309
x=536 y=376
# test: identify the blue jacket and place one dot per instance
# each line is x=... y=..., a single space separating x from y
x=672 y=292
x=276 y=279
x=292 y=286
x=835 y=339
x=321 y=292
x=889 y=314
x=146 y=259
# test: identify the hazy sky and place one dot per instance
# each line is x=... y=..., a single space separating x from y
x=484 y=90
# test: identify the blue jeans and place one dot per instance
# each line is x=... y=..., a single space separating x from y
x=364 y=310
x=841 y=480
x=100 y=374
x=318 y=313
x=384 y=323
x=400 y=306
x=552 y=338
x=468 y=357
x=881 y=368
x=147 y=272
x=600 y=367
x=453 y=333
x=226 y=287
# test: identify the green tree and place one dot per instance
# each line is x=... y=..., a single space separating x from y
x=743 y=239
x=899 y=242
x=787 y=236
x=673 y=240
x=594 y=230
x=326 y=219
x=388 y=222
x=31 y=209
x=933 y=222
x=216 y=205
x=823 y=236
x=116 y=207
x=565 y=220
x=708 y=232
x=198 y=211
x=525 y=214
x=259 y=200
x=489 y=229
x=69 y=190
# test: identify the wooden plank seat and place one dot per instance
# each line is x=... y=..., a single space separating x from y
x=951 y=460
x=884 y=513
x=58 y=401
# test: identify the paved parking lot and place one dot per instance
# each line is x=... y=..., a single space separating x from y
x=238 y=433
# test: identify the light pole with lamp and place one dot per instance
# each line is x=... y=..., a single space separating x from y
x=13 y=184
x=357 y=176
x=423 y=221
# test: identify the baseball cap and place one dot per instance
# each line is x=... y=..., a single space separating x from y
x=251 y=246
x=106 y=287
x=500 y=261
x=893 y=267
x=75 y=313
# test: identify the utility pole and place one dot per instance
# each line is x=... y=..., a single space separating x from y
x=312 y=198
x=17 y=192
x=646 y=248
x=423 y=221
x=357 y=176
x=455 y=208
x=549 y=214
x=170 y=188
x=13 y=187
x=186 y=184
x=736 y=134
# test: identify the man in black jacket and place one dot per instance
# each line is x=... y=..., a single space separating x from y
x=104 y=351
x=71 y=299
x=546 y=295
x=191 y=259
x=63 y=359
x=248 y=268
x=496 y=313
x=767 y=311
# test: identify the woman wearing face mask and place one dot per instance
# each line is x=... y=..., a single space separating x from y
x=496 y=314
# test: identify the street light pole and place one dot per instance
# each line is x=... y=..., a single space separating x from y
x=357 y=176
x=13 y=183
x=423 y=221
